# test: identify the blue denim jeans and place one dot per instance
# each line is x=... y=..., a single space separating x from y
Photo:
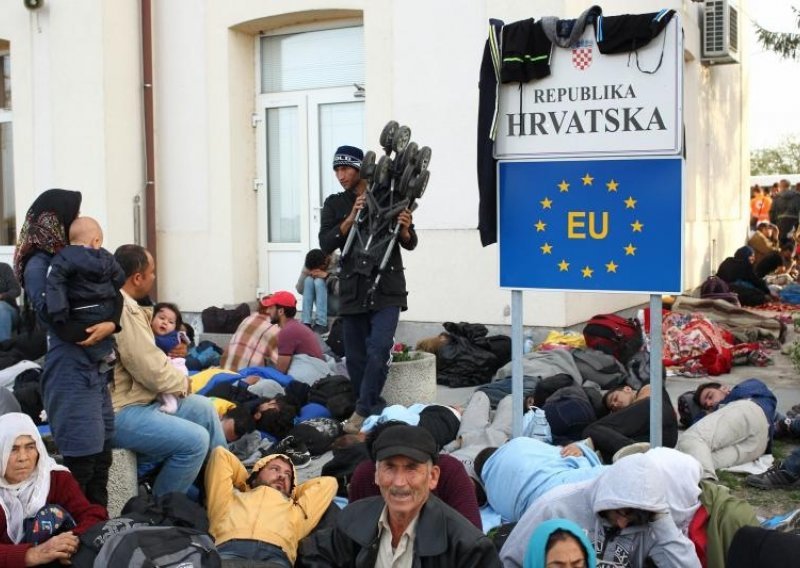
x=315 y=291
x=792 y=462
x=181 y=440
x=253 y=550
x=8 y=318
x=368 y=341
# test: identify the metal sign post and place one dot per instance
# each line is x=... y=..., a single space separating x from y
x=656 y=382
x=516 y=362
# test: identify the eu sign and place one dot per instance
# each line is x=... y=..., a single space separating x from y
x=592 y=225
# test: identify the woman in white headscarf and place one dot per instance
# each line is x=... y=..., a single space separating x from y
x=35 y=489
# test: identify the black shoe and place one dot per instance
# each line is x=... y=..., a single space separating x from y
x=320 y=329
x=295 y=450
x=774 y=478
x=782 y=427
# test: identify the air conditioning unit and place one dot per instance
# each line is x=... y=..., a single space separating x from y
x=720 y=37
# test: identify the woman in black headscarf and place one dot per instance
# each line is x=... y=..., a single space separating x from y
x=46 y=227
x=738 y=272
x=74 y=392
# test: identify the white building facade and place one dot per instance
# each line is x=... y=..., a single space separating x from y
x=250 y=100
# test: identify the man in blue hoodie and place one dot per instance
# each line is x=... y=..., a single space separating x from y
x=737 y=429
x=522 y=470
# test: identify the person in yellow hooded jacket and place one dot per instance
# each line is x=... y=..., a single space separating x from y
x=264 y=516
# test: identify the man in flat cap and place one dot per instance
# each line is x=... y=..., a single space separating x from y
x=406 y=525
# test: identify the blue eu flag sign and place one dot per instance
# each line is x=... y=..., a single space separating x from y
x=592 y=225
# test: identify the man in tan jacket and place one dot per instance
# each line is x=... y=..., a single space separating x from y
x=263 y=517
x=178 y=442
x=761 y=241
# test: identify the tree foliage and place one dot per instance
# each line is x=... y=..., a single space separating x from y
x=781 y=159
x=787 y=45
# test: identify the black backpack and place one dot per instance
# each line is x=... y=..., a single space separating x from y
x=335 y=392
x=318 y=434
x=28 y=392
x=220 y=320
x=173 y=510
x=335 y=338
x=688 y=410
x=162 y=547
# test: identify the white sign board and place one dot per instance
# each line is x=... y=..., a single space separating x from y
x=595 y=105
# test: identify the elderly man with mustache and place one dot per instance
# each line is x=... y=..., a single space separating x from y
x=406 y=525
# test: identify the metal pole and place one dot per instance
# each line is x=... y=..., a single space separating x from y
x=656 y=382
x=516 y=362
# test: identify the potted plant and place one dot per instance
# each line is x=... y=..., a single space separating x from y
x=412 y=377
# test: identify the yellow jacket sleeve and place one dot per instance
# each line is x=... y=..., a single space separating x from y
x=223 y=473
x=314 y=496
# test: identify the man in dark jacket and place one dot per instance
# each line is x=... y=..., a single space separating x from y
x=785 y=209
x=369 y=320
x=406 y=525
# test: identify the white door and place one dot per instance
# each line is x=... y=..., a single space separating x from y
x=311 y=101
x=338 y=121
x=298 y=135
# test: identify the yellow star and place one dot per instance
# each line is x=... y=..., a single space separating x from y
x=546 y=203
x=612 y=185
x=540 y=226
x=630 y=203
x=637 y=226
x=563 y=186
x=630 y=250
x=587 y=179
x=546 y=248
x=587 y=272
x=563 y=266
x=611 y=267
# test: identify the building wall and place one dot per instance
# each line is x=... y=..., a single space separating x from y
x=78 y=119
x=77 y=105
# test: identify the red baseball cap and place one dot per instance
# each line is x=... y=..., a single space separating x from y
x=282 y=298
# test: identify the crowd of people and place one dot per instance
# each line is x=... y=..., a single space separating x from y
x=765 y=269
x=422 y=485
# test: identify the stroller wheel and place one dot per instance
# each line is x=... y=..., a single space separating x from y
x=417 y=185
x=382 y=173
x=402 y=186
x=423 y=158
x=368 y=166
x=387 y=135
x=404 y=158
x=401 y=138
